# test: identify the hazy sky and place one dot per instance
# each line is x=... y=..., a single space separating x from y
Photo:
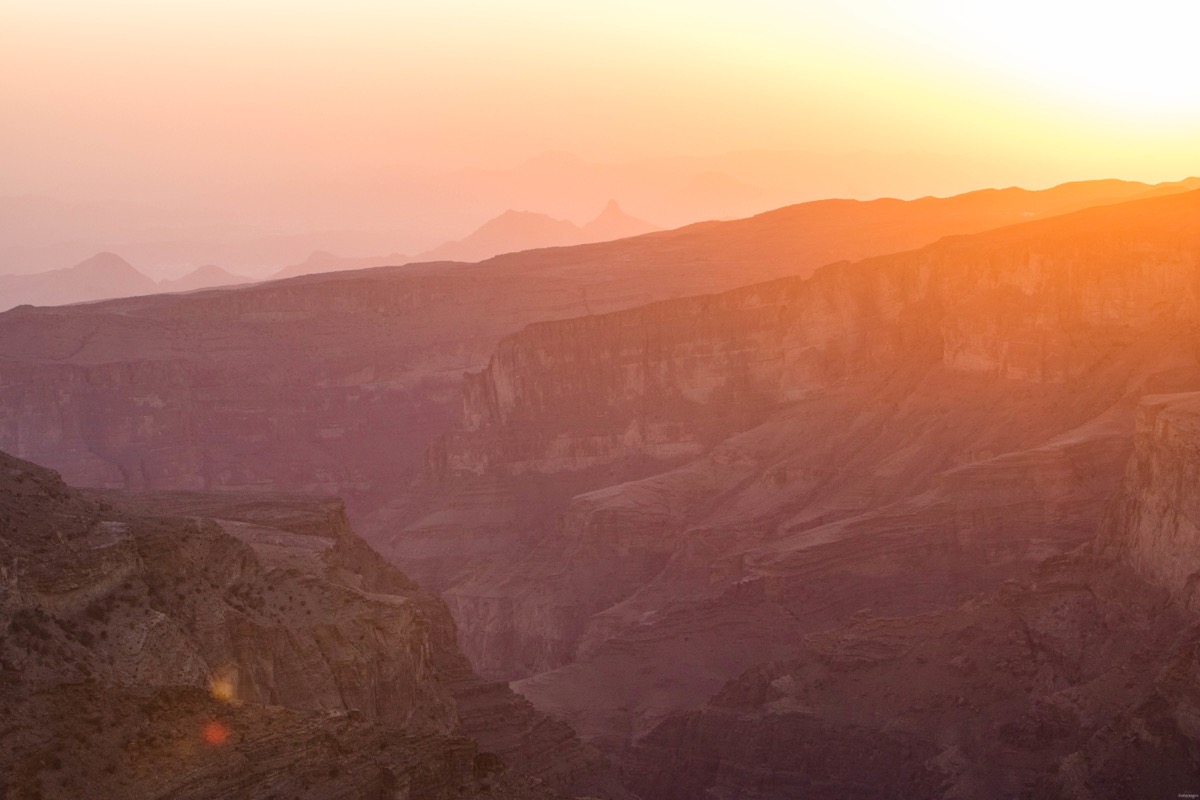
x=139 y=99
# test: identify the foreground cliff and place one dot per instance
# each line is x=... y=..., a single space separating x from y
x=636 y=507
x=190 y=645
x=1078 y=683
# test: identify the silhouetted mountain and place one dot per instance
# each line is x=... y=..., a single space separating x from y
x=515 y=231
x=207 y=277
x=102 y=276
x=613 y=223
x=321 y=261
x=510 y=232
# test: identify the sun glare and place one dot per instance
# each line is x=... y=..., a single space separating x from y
x=1124 y=57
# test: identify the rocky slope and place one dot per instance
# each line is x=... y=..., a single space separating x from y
x=1078 y=683
x=245 y=635
x=338 y=383
x=714 y=478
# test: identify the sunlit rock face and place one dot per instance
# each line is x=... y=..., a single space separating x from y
x=1077 y=682
x=635 y=507
x=630 y=508
x=1042 y=303
x=263 y=613
x=338 y=383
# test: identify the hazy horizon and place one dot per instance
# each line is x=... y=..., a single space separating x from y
x=374 y=128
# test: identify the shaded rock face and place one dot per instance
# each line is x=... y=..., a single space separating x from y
x=1076 y=683
x=338 y=383
x=99 y=741
x=716 y=478
x=263 y=613
x=1155 y=523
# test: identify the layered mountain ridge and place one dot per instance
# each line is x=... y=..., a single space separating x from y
x=514 y=231
x=719 y=476
x=103 y=276
x=796 y=485
x=167 y=392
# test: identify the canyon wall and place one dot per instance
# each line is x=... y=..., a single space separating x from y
x=636 y=507
x=232 y=603
x=1075 y=683
x=1042 y=302
x=1154 y=523
x=338 y=383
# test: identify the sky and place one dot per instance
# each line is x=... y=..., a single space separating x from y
x=146 y=100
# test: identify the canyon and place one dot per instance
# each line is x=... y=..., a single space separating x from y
x=338 y=383
x=1078 y=681
x=635 y=507
x=849 y=499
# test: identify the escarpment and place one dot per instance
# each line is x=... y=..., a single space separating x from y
x=261 y=615
x=715 y=478
x=338 y=383
x=1073 y=683
x=1043 y=302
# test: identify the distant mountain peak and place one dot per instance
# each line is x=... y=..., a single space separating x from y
x=207 y=276
x=614 y=223
x=105 y=261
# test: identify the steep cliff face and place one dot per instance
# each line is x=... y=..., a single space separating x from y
x=1155 y=521
x=202 y=601
x=719 y=477
x=1042 y=302
x=1078 y=683
x=338 y=383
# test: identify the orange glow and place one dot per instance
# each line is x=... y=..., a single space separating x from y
x=313 y=116
x=215 y=733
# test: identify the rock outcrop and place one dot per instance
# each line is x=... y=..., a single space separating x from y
x=1076 y=683
x=264 y=616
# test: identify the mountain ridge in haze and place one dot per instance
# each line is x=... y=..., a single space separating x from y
x=320 y=261
x=514 y=231
x=103 y=276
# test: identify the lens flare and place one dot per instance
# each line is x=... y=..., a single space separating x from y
x=215 y=733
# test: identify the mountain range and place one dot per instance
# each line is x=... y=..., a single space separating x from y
x=514 y=231
x=872 y=499
x=103 y=276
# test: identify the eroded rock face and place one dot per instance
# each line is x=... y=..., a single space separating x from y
x=263 y=613
x=1155 y=523
x=338 y=383
x=1043 y=302
x=1077 y=683
x=666 y=496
